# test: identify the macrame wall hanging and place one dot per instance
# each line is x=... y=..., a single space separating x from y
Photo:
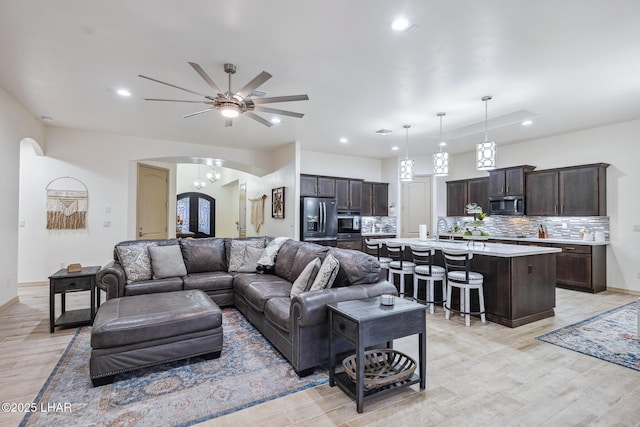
x=67 y=203
x=257 y=212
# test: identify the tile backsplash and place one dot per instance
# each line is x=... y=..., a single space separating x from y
x=558 y=227
x=383 y=224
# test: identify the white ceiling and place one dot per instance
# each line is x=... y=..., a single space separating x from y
x=574 y=64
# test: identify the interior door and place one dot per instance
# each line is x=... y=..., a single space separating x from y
x=242 y=211
x=152 y=210
x=416 y=206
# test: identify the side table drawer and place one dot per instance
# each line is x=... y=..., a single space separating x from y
x=72 y=284
x=344 y=327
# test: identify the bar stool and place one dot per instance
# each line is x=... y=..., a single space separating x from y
x=398 y=265
x=425 y=270
x=457 y=264
x=372 y=247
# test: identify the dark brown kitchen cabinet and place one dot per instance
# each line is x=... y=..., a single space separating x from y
x=462 y=192
x=375 y=199
x=581 y=267
x=349 y=194
x=508 y=181
x=572 y=191
x=478 y=192
x=317 y=186
x=366 y=208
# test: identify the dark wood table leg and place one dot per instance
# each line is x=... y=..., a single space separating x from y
x=422 y=344
x=52 y=308
x=360 y=372
x=332 y=352
x=92 y=309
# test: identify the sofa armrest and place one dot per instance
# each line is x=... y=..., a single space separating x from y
x=310 y=308
x=112 y=279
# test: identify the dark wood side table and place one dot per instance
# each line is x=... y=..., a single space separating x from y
x=367 y=323
x=63 y=282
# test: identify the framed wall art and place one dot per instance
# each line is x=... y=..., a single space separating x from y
x=277 y=203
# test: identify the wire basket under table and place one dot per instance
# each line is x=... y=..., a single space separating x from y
x=381 y=367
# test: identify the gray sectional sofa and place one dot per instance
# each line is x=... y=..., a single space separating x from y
x=227 y=270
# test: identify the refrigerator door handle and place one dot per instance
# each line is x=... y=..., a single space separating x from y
x=320 y=224
x=324 y=217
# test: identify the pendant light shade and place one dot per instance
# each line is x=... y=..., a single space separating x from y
x=406 y=165
x=486 y=151
x=441 y=159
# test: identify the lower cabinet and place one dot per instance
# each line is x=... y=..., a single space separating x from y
x=581 y=267
x=350 y=244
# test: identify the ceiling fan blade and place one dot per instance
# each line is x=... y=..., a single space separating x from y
x=258 y=118
x=175 y=100
x=228 y=123
x=169 y=84
x=253 y=84
x=206 y=77
x=280 y=99
x=276 y=111
x=198 y=112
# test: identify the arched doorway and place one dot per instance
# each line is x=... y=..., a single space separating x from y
x=197 y=212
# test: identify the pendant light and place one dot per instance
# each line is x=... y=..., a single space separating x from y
x=213 y=176
x=406 y=165
x=198 y=183
x=441 y=159
x=486 y=151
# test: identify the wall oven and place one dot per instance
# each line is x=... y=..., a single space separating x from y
x=349 y=223
x=507 y=205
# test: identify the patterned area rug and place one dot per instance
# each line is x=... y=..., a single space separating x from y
x=610 y=336
x=249 y=371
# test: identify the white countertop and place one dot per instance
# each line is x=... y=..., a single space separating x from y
x=491 y=249
x=538 y=240
x=378 y=233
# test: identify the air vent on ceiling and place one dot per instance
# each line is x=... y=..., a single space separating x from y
x=383 y=131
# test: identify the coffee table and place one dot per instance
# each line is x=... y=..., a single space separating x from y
x=367 y=323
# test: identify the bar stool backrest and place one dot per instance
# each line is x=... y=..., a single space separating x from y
x=395 y=252
x=423 y=255
x=457 y=260
x=372 y=247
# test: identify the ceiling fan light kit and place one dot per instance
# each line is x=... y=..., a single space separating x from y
x=486 y=151
x=230 y=104
x=441 y=159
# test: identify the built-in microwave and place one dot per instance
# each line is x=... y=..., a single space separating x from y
x=349 y=222
x=506 y=205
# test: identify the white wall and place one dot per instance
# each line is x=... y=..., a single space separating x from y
x=106 y=164
x=16 y=123
x=615 y=144
x=314 y=163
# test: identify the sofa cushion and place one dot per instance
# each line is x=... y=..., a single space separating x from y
x=306 y=278
x=169 y=284
x=257 y=289
x=228 y=241
x=135 y=259
x=268 y=257
x=276 y=310
x=250 y=263
x=294 y=256
x=166 y=261
x=326 y=275
x=356 y=268
x=239 y=252
x=213 y=281
x=204 y=255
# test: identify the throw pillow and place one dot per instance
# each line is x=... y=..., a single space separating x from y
x=306 y=278
x=239 y=253
x=326 y=275
x=250 y=263
x=268 y=257
x=135 y=260
x=166 y=261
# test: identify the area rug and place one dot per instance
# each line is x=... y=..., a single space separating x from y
x=250 y=371
x=610 y=336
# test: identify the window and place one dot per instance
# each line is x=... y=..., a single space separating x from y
x=198 y=214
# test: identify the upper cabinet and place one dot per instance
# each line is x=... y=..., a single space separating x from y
x=465 y=191
x=572 y=191
x=508 y=181
x=317 y=186
x=375 y=199
x=349 y=194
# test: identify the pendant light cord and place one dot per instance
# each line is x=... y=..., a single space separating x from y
x=407 y=142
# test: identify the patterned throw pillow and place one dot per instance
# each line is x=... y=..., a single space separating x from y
x=250 y=263
x=326 y=275
x=136 y=261
x=268 y=257
x=239 y=252
x=166 y=261
x=306 y=277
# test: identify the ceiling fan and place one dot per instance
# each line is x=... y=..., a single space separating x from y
x=230 y=104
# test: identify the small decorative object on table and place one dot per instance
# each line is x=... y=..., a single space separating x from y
x=387 y=299
x=381 y=367
x=74 y=268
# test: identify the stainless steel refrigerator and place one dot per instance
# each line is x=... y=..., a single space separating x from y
x=319 y=220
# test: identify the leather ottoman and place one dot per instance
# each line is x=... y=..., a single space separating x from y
x=143 y=330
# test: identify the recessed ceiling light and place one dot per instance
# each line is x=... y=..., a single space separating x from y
x=383 y=131
x=344 y=140
x=400 y=24
x=395 y=148
x=527 y=122
x=442 y=144
x=276 y=120
x=46 y=118
x=123 y=92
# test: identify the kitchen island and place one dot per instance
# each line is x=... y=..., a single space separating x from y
x=519 y=281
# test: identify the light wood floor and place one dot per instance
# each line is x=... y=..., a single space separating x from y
x=480 y=375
